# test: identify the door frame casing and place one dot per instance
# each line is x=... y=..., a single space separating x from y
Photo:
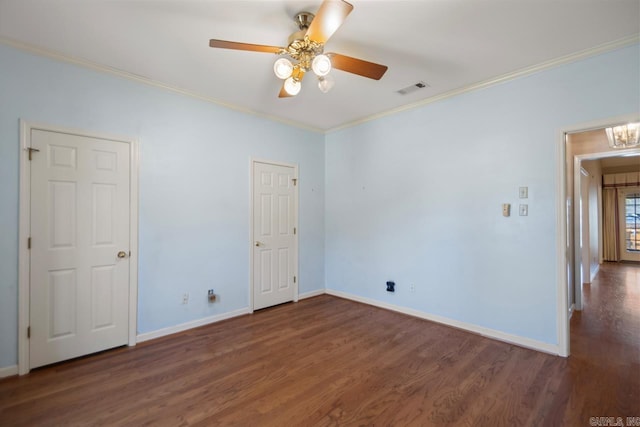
x=562 y=216
x=252 y=162
x=24 y=226
x=579 y=275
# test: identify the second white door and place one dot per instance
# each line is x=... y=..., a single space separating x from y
x=275 y=249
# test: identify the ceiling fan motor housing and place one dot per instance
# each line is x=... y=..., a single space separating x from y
x=303 y=19
x=296 y=37
x=299 y=47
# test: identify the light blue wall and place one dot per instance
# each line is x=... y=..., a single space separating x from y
x=194 y=185
x=416 y=197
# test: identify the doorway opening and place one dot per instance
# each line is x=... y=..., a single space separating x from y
x=585 y=159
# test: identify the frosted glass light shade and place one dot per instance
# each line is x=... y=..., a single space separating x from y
x=291 y=86
x=321 y=65
x=624 y=136
x=325 y=83
x=283 y=68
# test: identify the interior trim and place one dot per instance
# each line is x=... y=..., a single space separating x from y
x=144 y=80
x=469 y=327
x=9 y=371
x=24 y=221
x=606 y=47
x=311 y=294
x=158 y=333
x=564 y=246
x=603 y=48
x=486 y=332
x=211 y=319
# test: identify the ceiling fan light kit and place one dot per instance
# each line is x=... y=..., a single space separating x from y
x=306 y=48
x=283 y=68
x=321 y=65
x=292 y=86
x=325 y=83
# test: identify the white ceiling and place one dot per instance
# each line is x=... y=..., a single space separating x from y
x=450 y=44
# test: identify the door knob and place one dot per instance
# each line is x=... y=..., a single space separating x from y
x=258 y=244
x=122 y=254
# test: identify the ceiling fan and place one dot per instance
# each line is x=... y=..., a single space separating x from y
x=306 y=48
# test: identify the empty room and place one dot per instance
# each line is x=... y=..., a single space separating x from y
x=268 y=213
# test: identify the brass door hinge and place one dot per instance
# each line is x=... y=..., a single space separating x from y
x=295 y=181
x=294 y=279
x=31 y=151
x=29 y=243
x=28 y=331
x=294 y=230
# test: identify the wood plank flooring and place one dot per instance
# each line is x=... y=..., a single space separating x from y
x=327 y=361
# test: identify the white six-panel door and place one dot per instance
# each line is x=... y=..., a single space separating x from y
x=275 y=253
x=79 y=257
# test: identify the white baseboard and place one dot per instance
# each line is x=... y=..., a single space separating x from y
x=190 y=325
x=485 y=332
x=207 y=320
x=311 y=294
x=8 y=371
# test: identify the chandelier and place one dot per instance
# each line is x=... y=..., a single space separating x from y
x=623 y=136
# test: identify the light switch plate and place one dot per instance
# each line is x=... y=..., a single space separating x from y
x=524 y=210
x=506 y=209
x=524 y=192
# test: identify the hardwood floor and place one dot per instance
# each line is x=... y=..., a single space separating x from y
x=329 y=361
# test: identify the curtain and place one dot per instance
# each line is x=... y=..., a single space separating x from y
x=610 y=224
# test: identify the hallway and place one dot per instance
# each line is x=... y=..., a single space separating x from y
x=604 y=367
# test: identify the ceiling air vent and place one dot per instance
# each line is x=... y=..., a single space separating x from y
x=414 y=87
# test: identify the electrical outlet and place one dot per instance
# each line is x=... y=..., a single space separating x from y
x=185 y=298
x=391 y=286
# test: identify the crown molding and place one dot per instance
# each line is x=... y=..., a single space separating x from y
x=583 y=54
x=573 y=57
x=145 y=80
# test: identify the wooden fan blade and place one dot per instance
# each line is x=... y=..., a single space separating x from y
x=328 y=19
x=244 y=46
x=297 y=73
x=357 y=66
